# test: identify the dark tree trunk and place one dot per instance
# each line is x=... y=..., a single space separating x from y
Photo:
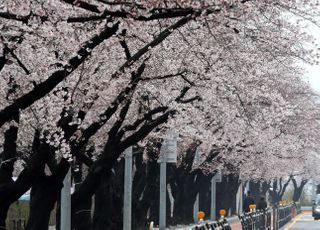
x=264 y=188
x=44 y=194
x=184 y=199
x=3 y=215
x=109 y=200
x=254 y=187
x=184 y=189
x=278 y=190
x=226 y=190
x=6 y=168
x=204 y=185
x=81 y=220
x=145 y=192
x=258 y=189
x=58 y=212
x=298 y=189
x=103 y=205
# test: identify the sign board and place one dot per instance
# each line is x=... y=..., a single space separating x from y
x=168 y=151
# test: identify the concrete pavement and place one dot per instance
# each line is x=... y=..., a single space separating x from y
x=304 y=221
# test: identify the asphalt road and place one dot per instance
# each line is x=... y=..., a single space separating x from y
x=304 y=221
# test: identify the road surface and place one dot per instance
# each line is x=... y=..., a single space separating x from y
x=304 y=221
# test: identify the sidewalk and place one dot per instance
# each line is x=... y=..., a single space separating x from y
x=234 y=223
x=305 y=211
x=236 y=226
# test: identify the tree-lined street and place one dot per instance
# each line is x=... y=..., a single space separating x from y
x=158 y=109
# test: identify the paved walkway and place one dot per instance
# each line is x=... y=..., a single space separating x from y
x=305 y=221
x=236 y=226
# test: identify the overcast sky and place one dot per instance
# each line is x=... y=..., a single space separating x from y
x=313 y=72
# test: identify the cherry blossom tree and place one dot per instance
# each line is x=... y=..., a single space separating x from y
x=105 y=75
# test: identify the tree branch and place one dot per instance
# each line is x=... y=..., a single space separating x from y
x=46 y=86
x=84 y=5
x=157 y=40
x=153 y=15
x=144 y=131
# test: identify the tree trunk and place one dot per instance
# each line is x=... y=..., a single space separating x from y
x=298 y=189
x=103 y=205
x=44 y=194
x=146 y=198
x=255 y=190
x=81 y=219
x=204 y=186
x=226 y=193
x=109 y=201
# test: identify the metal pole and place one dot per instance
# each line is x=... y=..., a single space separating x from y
x=213 y=198
x=240 y=199
x=196 y=209
x=66 y=203
x=127 y=189
x=163 y=188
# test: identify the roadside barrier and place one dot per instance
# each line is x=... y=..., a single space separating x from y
x=262 y=219
x=298 y=207
x=258 y=220
x=18 y=224
x=215 y=225
x=284 y=214
x=221 y=224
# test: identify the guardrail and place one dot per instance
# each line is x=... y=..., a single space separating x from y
x=298 y=208
x=284 y=214
x=258 y=220
x=215 y=225
x=17 y=224
x=272 y=218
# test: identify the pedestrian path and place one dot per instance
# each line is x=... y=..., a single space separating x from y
x=304 y=221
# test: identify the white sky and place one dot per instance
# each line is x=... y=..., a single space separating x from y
x=313 y=76
x=313 y=72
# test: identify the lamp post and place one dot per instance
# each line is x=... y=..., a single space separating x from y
x=127 y=189
x=216 y=178
x=168 y=154
x=66 y=203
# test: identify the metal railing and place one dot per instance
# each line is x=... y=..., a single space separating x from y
x=298 y=207
x=258 y=220
x=17 y=224
x=271 y=218
x=215 y=225
x=284 y=214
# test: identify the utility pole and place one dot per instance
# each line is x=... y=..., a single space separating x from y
x=196 y=209
x=196 y=162
x=240 y=199
x=168 y=154
x=163 y=175
x=66 y=203
x=127 y=189
x=216 y=178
